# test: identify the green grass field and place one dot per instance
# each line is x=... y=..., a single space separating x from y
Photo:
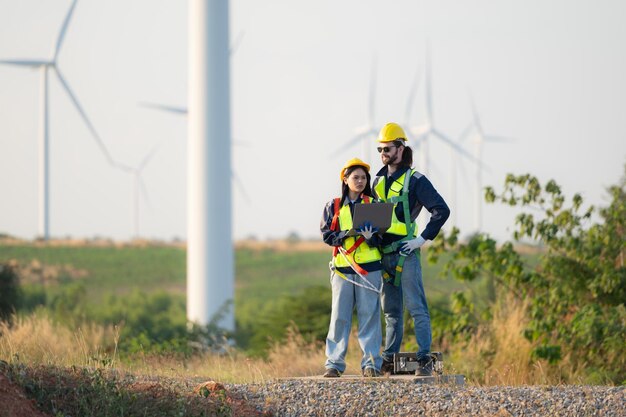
x=265 y=275
x=261 y=275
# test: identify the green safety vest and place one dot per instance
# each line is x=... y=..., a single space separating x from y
x=363 y=253
x=398 y=194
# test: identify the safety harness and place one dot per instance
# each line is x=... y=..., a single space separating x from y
x=403 y=199
x=347 y=253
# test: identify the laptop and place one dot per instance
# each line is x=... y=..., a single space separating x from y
x=378 y=214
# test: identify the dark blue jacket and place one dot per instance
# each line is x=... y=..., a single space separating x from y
x=421 y=194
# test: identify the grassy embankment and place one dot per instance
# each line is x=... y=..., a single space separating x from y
x=262 y=275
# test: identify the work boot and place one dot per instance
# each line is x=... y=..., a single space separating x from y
x=370 y=373
x=332 y=373
x=424 y=366
x=387 y=367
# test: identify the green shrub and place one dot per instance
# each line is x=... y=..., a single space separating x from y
x=577 y=290
x=309 y=311
x=10 y=293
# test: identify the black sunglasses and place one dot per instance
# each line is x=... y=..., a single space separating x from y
x=385 y=149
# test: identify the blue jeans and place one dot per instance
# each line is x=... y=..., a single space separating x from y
x=414 y=298
x=347 y=296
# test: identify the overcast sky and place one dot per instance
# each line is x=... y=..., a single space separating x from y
x=550 y=74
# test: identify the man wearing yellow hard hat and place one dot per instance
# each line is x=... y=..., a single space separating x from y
x=397 y=182
x=356 y=278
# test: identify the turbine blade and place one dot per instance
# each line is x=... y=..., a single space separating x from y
x=236 y=43
x=24 y=62
x=355 y=140
x=83 y=115
x=143 y=190
x=454 y=145
x=465 y=133
x=63 y=30
x=163 y=107
x=239 y=184
x=420 y=135
x=412 y=94
x=147 y=158
x=477 y=122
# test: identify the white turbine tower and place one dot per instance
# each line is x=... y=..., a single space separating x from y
x=210 y=269
x=44 y=66
x=479 y=138
x=366 y=133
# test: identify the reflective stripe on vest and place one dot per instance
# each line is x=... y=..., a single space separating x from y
x=395 y=196
x=363 y=253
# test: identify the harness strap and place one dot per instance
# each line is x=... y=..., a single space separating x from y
x=334 y=225
x=366 y=284
x=356 y=267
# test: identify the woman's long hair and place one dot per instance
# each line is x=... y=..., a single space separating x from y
x=344 y=187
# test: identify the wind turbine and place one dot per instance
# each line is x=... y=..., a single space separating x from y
x=369 y=130
x=479 y=138
x=44 y=135
x=426 y=131
x=139 y=187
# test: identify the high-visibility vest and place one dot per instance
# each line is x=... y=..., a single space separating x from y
x=363 y=253
x=398 y=194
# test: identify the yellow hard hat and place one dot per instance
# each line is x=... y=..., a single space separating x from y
x=390 y=132
x=351 y=163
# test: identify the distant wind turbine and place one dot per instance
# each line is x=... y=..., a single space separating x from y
x=366 y=133
x=139 y=187
x=479 y=138
x=427 y=130
x=44 y=135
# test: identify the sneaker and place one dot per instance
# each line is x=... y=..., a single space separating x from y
x=424 y=366
x=370 y=373
x=332 y=373
x=387 y=367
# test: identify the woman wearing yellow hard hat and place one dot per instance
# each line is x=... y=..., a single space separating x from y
x=356 y=278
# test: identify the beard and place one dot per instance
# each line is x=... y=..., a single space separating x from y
x=389 y=159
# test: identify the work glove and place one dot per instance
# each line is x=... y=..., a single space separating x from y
x=411 y=245
x=367 y=230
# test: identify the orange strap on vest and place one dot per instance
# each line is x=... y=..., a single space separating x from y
x=356 y=267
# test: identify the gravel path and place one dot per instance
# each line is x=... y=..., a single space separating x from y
x=405 y=398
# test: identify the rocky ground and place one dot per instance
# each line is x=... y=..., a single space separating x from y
x=361 y=397
x=371 y=397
